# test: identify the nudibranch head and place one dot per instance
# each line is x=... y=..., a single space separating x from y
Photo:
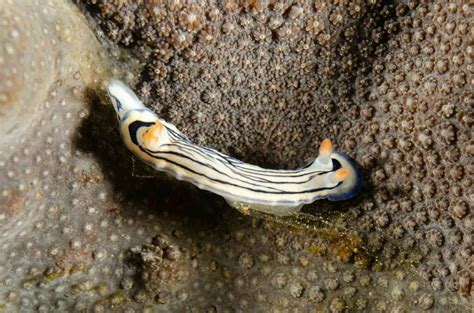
x=349 y=174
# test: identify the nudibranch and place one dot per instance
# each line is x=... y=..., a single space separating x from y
x=331 y=175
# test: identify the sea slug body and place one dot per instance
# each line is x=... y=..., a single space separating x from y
x=331 y=175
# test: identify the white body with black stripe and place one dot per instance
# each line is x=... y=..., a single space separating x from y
x=332 y=175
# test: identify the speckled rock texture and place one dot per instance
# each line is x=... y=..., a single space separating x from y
x=85 y=227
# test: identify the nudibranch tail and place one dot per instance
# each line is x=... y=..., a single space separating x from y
x=123 y=98
x=331 y=175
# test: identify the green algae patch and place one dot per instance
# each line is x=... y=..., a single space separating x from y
x=54 y=273
x=330 y=239
x=345 y=247
x=49 y=275
x=118 y=299
x=318 y=250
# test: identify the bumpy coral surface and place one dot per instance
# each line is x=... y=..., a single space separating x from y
x=85 y=227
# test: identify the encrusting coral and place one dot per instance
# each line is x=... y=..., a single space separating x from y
x=264 y=81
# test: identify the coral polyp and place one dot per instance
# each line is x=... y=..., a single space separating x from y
x=85 y=227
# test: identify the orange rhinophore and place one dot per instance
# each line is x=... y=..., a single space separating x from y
x=342 y=174
x=326 y=147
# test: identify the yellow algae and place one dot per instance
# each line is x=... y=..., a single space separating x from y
x=53 y=273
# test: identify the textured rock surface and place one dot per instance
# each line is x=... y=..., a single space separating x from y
x=85 y=228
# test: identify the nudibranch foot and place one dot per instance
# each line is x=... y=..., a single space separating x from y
x=331 y=175
x=278 y=210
